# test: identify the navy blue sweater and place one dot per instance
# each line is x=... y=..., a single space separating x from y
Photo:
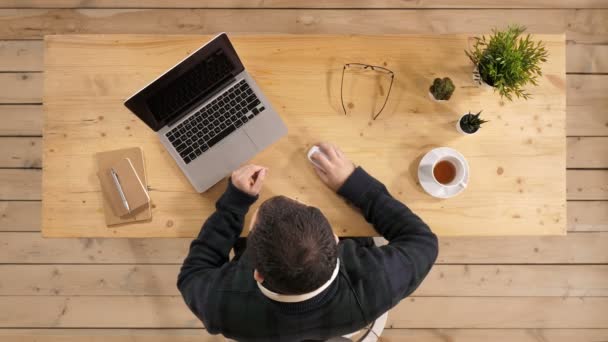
x=224 y=295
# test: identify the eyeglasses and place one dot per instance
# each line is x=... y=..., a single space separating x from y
x=364 y=67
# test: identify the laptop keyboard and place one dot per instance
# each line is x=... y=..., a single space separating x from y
x=212 y=123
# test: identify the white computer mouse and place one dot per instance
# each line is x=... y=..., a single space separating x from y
x=312 y=151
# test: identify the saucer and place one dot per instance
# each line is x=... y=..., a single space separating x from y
x=426 y=179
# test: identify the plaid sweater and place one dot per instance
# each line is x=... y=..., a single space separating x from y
x=371 y=280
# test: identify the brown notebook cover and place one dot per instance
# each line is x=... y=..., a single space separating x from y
x=129 y=167
x=131 y=185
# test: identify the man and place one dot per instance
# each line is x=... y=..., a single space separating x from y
x=295 y=280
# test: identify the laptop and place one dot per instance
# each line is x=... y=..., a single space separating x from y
x=209 y=113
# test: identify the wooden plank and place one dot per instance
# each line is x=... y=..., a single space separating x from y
x=587 y=58
x=587 y=152
x=33 y=248
x=575 y=248
x=20 y=184
x=21 y=120
x=388 y=335
x=20 y=216
x=500 y=312
x=587 y=102
x=443 y=280
x=26 y=55
x=431 y=312
x=525 y=164
x=89 y=280
x=302 y=4
x=585 y=216
x=587 y=184
x=21 y=87
x=494 y=335
x=20 y=55
x=515 y=280
x=23 y=152
x=96 y=312
x=581 y=26
x=111 y=335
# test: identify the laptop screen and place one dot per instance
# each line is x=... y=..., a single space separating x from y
x=188 y=83
x=183 y=91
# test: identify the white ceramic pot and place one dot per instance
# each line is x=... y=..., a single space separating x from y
x=477 y=79
x=460 y=130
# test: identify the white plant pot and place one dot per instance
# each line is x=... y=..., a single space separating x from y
x=486 y=86
x=477 y=79
x=459 y=129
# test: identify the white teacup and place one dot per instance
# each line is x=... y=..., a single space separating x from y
x=459 y=177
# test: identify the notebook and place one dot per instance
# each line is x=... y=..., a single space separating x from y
x=130 y=177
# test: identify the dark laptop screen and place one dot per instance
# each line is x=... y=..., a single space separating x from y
x=186 y=84
x=183 y=91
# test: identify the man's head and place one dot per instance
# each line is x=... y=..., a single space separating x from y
x=292 y=246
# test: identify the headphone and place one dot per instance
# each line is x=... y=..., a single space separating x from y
x=350 y=286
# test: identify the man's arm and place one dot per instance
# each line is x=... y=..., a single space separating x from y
x=412 y=247
x=209 y=251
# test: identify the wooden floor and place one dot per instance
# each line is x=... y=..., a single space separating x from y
x=482 y=289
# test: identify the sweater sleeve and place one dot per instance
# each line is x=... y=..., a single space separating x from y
x=412 y=247
x=209 y=251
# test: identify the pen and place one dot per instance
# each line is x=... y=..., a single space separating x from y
x=119 y=187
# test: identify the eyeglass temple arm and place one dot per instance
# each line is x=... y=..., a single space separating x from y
x=342 y=89
x=388 y=94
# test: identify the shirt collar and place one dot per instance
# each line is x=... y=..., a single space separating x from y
x=299 y=297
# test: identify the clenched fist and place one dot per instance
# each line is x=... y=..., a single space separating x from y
x=249 y=178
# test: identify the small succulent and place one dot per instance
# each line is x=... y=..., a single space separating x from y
x=442 y=89
x=470 y=122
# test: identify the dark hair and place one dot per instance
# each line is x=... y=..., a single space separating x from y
x=292 y=246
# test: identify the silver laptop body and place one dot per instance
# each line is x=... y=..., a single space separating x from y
x=227 y=125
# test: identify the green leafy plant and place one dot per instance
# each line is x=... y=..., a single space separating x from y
x=470 y=122
x=442 y=88
x=508 y=61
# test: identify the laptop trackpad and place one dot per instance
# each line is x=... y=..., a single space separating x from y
x=230 y=153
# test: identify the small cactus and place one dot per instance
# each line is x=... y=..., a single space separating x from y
x=442 y=89
x=470 y=122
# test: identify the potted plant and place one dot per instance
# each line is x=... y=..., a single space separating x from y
x=442 y=89
x=508 y=61
x=469 y=123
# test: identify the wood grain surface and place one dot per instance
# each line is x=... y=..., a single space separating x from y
x=443 y=280
x=21 y=120
x=289 y=4
x=389 y=335
x=587 y=184
x=20 y=216
x=21 y=88
x=31 y=248
x=588 y=26
x=530 y=267
x=431 y=312
x=517 y=161
x=24 y=153
x=588 y=216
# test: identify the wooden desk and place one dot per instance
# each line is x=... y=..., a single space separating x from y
x=517 y=160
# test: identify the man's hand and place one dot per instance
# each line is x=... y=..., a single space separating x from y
x=335 y=167
x=249 y=178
